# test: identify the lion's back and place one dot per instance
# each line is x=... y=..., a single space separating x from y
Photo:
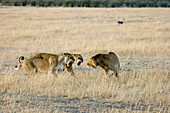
x=113 y=59
x=45 y=56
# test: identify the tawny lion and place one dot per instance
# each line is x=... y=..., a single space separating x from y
x=32 y=65
x=108 y=62
x=77 y=57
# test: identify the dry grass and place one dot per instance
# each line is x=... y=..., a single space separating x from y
x=144 y=87
x=146 y=33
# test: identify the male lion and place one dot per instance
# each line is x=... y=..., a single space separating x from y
x=32 y=65
x=76 y=57
x=108 y=62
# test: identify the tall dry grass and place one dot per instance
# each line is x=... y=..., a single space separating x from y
x=150 y=86
x=27 y=30
x=87 y=31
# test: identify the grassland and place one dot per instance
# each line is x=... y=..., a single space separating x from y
x=142 y=44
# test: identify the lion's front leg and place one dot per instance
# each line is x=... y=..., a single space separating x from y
x=116 y=71
x=52 y=69
x=52 y=66
x=52 y=72
x=70 y=70
x=106 y=70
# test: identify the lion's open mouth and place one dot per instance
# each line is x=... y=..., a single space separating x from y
x=79 y=63
x=69 y=64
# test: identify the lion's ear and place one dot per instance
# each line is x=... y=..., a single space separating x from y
x=65 y=54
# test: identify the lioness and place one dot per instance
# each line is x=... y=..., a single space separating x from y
x=77 y=57
x=32 y=65
x=108 y=62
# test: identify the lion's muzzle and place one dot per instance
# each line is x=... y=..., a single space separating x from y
x=91 y=64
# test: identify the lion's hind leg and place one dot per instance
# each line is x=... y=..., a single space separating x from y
x=33 y=72
x=30 y=70
x=115 y=71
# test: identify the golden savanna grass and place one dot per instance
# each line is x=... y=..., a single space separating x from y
x=142 y=44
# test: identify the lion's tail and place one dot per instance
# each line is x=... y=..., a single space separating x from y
x=17 y=67
x=117 y=71
x=20 y=59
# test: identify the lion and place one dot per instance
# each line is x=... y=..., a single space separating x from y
x=77 y=57
x=108 y=62
x=33 y=65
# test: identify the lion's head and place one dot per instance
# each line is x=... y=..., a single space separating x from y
x=94 y=61
x=78 y=58
x=69 y=59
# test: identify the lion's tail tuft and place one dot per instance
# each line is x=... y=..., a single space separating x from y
x=17 y=67
x=20 y=59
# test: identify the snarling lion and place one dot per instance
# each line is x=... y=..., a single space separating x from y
x=33 y=65
x=108 y=62
x=77 y=57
